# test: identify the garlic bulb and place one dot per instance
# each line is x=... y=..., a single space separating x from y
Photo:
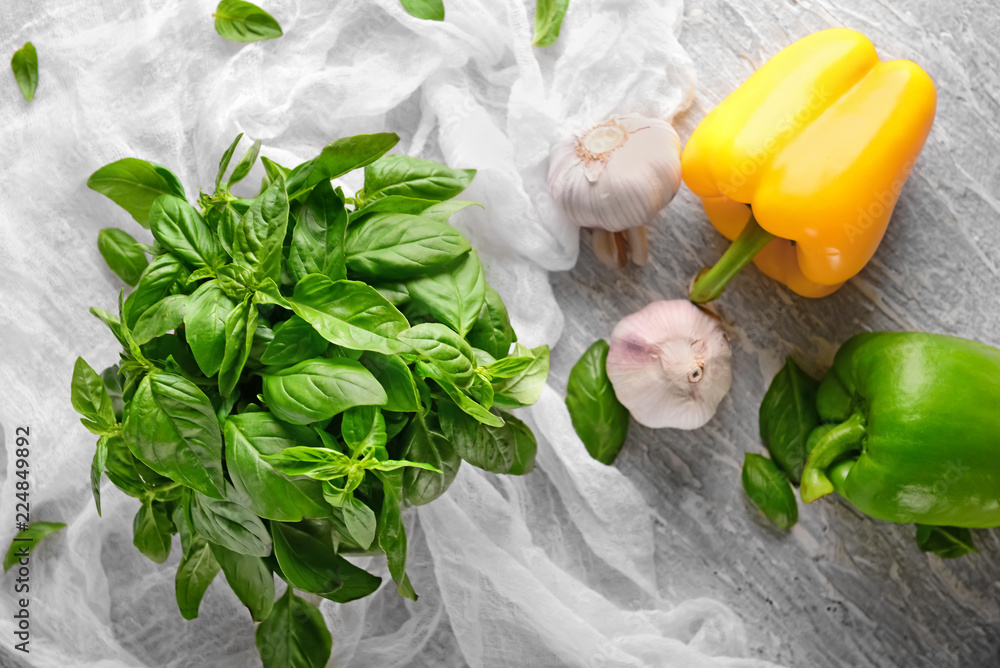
x=616 y=177
x=670 y=365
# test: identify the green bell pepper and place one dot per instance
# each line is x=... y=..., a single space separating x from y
x=916 y=430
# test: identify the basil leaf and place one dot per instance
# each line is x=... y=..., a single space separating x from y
x=96 y=469
x=397 y=245
x=413 y=177
x=160 y=318
x=294 y=635
x=770 y=490
x=294 y=340
x=241 y=323
x=323 y=463
x=236 y=281
x=179 y=227
x=443 y=211
x=151 y=531
x=113 y=385
x=245 y=164
x=549 y=16
x=469 y=406
x=260 y=236
x=230 y=525
x=454 y=296
x=28 y=539
x=393 y=204
x=318 y=238
x=90 y=399
x=123 y=254
x=205 y=319
x=240 y=21
x=349 y=313
x=492 y=331
x=392 y=532
x=363 y=427
x=444 y=351
x=507 y=449
x=250 y=579
x=161 y=276
x=397 y=381
x=945 y=542
x=272 y=495
x=422 y=441
x=229 y=220
x=172 y=428
x=338 y=158
x=508 y=367
x=787 y=416
x=360 y=521
x=600 y=420
x=308 y=561
x=224 y=162
x=318 y=389
x=272 y=171
x=126 y=472
x=525 y=388
x=134 y=185
x=431 y=10
x=195 y=573
x=25 y=66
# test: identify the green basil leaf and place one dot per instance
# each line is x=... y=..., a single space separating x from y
x=338 y=158
x=172 y=428
x=25 y=66
x=393 y=204
x=151 y=531
x=392 y=373
x=230 y=525
x=134 y=185
x=509 y=367
x=90 y=398
x=770 y=490
x=113 y=385
x=318 y=238
x=317 y=463
x=525 y=388
x=349 y=313
x=431 y=10
x=549 y=16
x=454 y=296
x=462 y=400
x=240 y=21
x=126 y=472
x=123 y=254
x=443 y=211
x=236 y=281
x=229 y=220
x=398 y=245
x=787 y=416
x=444 y=351
x=250 y=579
x=395 y=293
x=507 y=449
x=305 y=553
x=245 y=164
x=294 y=635
x=27 y=539
x=96 y=469
x=161 y=276
x=195 y=573
x=160 y=318
x=392 y=532
x=492 y=331
x=413 y=177
x=179 y=227
x=600 y=420
x=318 y=389
x=945 y=542
x=258 y=240
x=360 y=521
x=224 y=162
x=272 y=171
x=240 y=327
x=205 y=325
x=363 y=427
x=422 y=441
x=294 y=340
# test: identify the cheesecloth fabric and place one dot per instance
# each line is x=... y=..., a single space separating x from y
x=550 y=569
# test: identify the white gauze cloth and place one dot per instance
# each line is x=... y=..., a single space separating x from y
x=549 y=569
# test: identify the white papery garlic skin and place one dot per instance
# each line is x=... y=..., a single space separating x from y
x=670 y=365
x=619 y=174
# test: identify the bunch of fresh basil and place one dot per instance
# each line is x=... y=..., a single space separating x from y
x=296 y=369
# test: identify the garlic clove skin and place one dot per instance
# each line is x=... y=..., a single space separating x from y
x=670 y=365
x=617 y=175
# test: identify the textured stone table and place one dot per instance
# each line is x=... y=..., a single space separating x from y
x=841 y=589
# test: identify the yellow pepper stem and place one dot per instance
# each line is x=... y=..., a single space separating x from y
x=712 y=282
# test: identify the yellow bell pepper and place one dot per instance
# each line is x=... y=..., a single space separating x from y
x=803 y=163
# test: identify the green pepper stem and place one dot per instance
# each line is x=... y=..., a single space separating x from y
x=837 y=442
x=710 y=284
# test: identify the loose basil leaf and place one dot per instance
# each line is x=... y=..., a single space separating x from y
x=271 y=494
x=492 y=331
x=397 y=381
x=240 y=21
x=134 y=185
x=294 y=635
x=160 y=318
x=205 y=325
x=260 y=236
x=349 y=313
x=392 y=532
x=245 y=164
x=454 y=296
x=787 y=416
x=151 y=531
x=161 y=276
x=422 y=441
x=294 y=340
x=123 y=254
x=318 y=238
x=96 y=469
x=525 y=388
x=179 y=227
x=770 y=490
x=549 y=16
x=195 y=573
x=431 y=10
x=172 y=428
x=25 y=66
x=360 y=521
x=444 y=351
x=224 y=162
x=230 y=525
x=338 y=158
x=27 y=539
x=250 y=579
x=240 y=327
x=945 y=542
x=398 y=245
x=307 y=559
x=318 y=389
x=600 y=420
x=413 y=177
x=90 y=398
x=507 y=449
